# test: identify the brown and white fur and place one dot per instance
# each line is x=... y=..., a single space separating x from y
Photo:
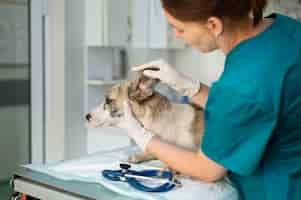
x=179 y=124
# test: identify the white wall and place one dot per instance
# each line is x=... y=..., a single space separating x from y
x=75 y=132
x=204 y=67
x=55 y=81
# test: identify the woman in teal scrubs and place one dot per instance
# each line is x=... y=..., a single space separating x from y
x=252 y=113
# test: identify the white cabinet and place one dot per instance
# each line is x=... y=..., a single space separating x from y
x=135 y=23
x=149 y=27
x=107 y=22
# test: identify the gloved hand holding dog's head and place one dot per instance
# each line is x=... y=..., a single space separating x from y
x=161 y=70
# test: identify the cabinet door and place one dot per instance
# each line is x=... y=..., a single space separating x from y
x=116 y=29
x=107 y=22
x=140 y=25
x=94 y=22
x=157 y=26
x=150 y=28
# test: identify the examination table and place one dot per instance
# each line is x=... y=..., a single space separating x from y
x=81 y=179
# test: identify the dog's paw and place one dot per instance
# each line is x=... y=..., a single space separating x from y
x=138 y=158
x=134 y=159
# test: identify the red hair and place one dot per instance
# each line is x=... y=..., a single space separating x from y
x=200 y=10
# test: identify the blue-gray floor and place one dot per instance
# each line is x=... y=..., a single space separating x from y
x=4 y=190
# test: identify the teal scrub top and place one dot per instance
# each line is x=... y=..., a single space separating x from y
x=253 y=114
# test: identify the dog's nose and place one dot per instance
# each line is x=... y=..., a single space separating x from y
x=88 y=116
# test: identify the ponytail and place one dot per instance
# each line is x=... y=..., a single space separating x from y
x=257 y=8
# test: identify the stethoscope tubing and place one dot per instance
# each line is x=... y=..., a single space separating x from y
x=132 y=178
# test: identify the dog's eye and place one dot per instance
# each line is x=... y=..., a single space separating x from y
x=108 y=100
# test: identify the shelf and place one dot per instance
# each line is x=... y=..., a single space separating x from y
x=14 y=2
x=14 y=65
x=102 y=82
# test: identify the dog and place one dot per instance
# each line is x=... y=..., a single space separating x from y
x=175 y=123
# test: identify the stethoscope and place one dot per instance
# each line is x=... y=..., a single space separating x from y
x=133 y=178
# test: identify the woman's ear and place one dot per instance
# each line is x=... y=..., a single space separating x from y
x=215 y=25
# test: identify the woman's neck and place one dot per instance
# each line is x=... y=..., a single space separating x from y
x=248 y=31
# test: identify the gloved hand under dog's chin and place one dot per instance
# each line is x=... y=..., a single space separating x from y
x=133 y=127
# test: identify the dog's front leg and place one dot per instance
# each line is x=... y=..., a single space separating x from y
x=138 y=158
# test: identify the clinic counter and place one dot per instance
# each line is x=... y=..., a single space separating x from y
x=43 y=186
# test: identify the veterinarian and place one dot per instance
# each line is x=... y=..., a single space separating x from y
x=252 y=113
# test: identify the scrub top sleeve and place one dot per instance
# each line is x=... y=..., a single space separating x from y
x=237 y=129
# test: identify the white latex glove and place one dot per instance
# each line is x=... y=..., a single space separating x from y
x=167 y=74
x=134 y=128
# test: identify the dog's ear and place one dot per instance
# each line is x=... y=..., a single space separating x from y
x=142 y=88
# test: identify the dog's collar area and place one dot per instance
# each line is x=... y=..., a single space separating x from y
x=135 y=178
x=116 y=114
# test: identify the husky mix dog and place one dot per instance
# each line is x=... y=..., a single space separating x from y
x=179 y=124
